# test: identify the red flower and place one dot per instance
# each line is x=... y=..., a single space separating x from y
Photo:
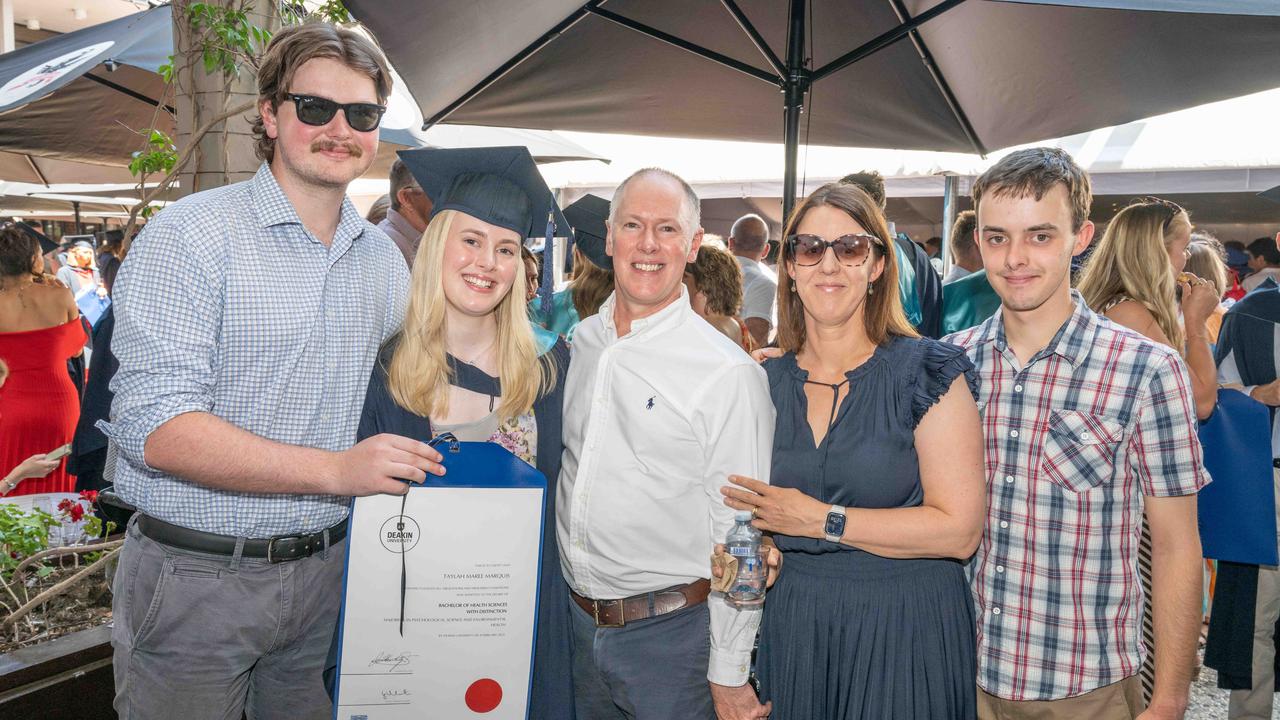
x=71 y=509
x=77 y=512
x=65 y=505
x=90 y=495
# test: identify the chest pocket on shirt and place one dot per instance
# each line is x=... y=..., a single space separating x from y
x=1080 y=449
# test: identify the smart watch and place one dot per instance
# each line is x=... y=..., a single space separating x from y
x=834 y=527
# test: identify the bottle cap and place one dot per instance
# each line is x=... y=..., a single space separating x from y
x=743 y=516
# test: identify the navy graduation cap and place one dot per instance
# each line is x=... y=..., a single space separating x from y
x=1273 y=195
x=499 y=185
x=589 y=216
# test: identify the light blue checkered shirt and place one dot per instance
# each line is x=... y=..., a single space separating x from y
x=228 y=305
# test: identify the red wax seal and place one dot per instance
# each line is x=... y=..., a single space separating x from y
x=484 y=695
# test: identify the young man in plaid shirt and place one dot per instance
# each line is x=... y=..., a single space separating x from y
x=1088 y=426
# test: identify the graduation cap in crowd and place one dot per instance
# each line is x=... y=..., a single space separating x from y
x=589 y=216
x=46 y=245
x=499 y=185
x=1273 y=194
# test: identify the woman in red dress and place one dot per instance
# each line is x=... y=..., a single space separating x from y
x=40 y=330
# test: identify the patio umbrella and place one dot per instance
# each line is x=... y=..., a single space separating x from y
x=70 y=107
x=911 y=74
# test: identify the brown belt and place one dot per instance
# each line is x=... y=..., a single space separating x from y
x=616 y=613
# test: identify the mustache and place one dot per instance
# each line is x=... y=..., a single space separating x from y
x=325 y=145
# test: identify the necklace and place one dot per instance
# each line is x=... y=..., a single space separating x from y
x=21 y=288
x=476 y=358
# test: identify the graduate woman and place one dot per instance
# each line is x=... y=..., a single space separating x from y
x=469 y=362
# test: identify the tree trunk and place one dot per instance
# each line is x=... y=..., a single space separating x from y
x=225 y=154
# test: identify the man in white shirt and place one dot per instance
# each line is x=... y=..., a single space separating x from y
x=660 y=409
x=1264 y=261
x=749 y=243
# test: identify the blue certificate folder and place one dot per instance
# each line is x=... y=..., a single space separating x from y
x=1237 y=510
x=445 y=657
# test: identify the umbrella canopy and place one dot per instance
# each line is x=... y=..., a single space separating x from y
x=70 y=107
x=915 y=74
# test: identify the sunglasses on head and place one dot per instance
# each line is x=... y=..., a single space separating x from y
x=318 y=111
x=1172 y=209
x=851 y=249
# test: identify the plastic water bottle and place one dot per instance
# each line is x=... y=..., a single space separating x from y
x=743 y=543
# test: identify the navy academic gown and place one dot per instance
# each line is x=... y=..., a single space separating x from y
x=1248 y=330
x=552 y=693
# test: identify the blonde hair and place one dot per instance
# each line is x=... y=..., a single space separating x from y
x=1206 y=258
x=591 y=285
x=418 y=373
x=1131 y=262
x=883 y=316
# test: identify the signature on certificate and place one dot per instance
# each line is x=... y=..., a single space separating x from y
x=394 y=695
x=393 y=662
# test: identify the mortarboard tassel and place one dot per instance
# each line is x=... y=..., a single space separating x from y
x=548 y=268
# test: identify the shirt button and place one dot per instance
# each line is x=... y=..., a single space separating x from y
x=999 y=568
x=1008 y=478
x=1004 y=524
x=1084 y=436
x=995 y=611
x=1017 y=388
x=1013 y=433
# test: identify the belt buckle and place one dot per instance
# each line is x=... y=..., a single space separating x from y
x=271 y=545
x=622 y=613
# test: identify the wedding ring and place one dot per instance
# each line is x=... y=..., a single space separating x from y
x=755 y=513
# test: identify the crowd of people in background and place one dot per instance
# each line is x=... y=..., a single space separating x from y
x=979 y=488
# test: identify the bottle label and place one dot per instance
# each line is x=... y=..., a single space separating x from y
x=741 y=551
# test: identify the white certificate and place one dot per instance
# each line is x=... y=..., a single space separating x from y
x=470 y=567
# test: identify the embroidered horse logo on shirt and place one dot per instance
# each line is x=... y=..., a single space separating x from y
x=649 y=405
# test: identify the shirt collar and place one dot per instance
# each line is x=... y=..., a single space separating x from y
x=273 y=207
x=668 y=316
x=403 y=226
x=1072 y=341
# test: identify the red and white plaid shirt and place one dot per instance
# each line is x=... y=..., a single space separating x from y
x=1074 y=440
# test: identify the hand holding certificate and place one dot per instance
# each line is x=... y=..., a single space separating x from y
x=441 y=591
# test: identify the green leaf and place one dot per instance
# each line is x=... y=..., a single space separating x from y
x=44 y=571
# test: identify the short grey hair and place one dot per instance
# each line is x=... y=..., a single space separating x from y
x=750 y=233
x=401 y=178
x=691 y=213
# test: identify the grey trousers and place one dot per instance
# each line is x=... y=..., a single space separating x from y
x=1256 y=704
x=654 y=669
x=199 y=636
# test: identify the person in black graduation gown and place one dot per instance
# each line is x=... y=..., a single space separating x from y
x=469 y=362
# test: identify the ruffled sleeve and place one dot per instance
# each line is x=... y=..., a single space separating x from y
x=939 y=365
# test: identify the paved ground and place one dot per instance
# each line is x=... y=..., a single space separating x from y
x=1210 y=703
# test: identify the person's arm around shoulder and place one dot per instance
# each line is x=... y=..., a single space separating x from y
x=1169 y=464
x=734 y=418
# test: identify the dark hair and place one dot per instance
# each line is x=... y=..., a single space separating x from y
x=962 y=232
x=717 y=275
x=1234 y=245
x=1265 y=248
x=292 y=47
x=871 y=182
x=17 y=251
x=883 y=316
x=1035 y=171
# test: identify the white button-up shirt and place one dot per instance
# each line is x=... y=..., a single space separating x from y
x=654 y=423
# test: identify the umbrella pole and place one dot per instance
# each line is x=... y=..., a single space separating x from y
x=796 y=84
x=75 y=205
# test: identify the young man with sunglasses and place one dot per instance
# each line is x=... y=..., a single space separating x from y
x=1089 y=427
x=237 y=401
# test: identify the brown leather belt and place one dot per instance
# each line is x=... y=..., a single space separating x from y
x=616 y=613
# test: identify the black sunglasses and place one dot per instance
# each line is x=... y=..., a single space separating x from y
x=318 y=111
x=1172 y=208
x=851 y=249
